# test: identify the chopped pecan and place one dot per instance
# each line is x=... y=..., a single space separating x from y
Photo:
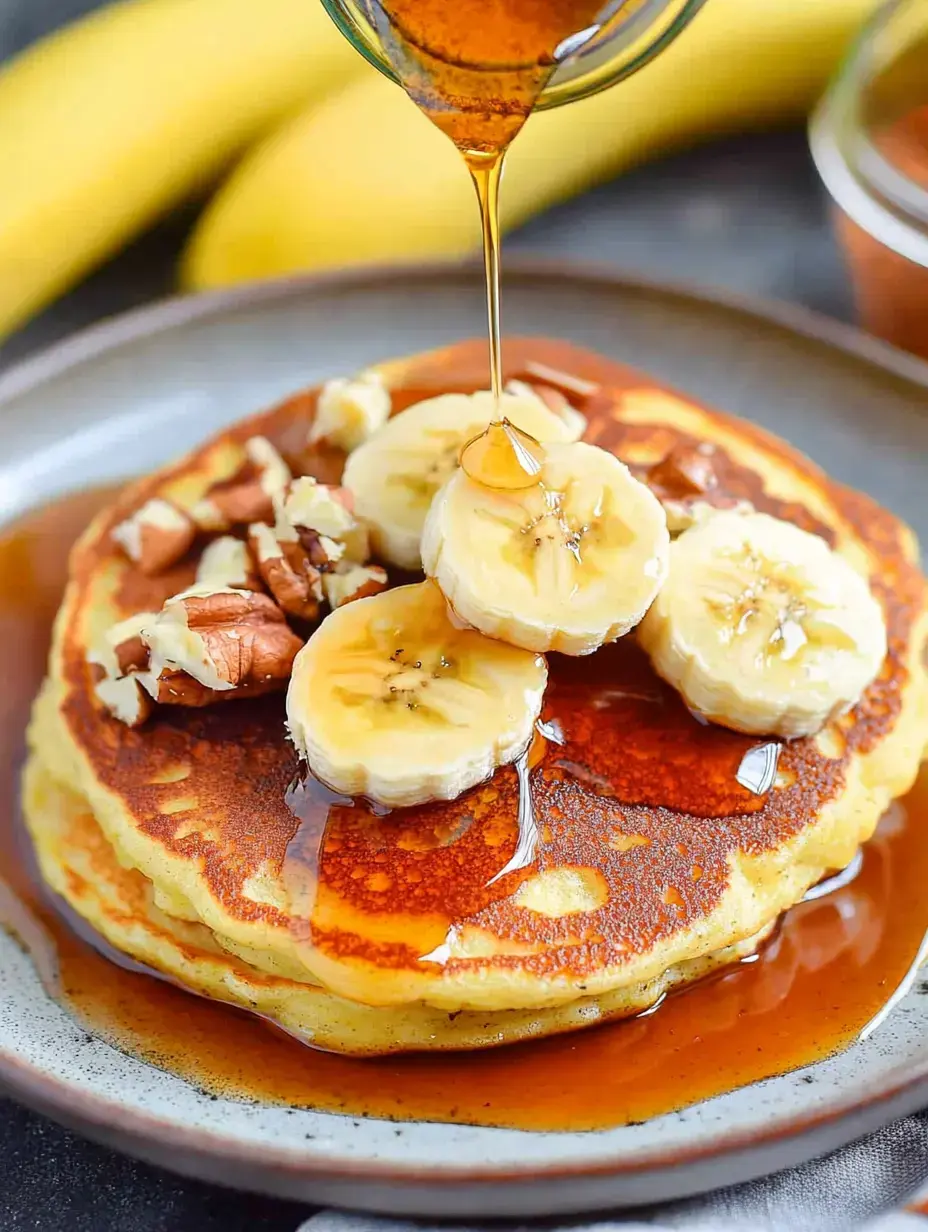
x=686 y=484
x=156 y=536
x=352 y=582
x=228 y=562
x=250 y=495
x=115 y=662
x=687 y=470
x=125 y=699
x=288 y=572
x=348 y=411
x=211 y=645
x=316 y=508
x=324 y=553
x=687 y=512
x=131 y=655
x=554 y=400
x=566 y=383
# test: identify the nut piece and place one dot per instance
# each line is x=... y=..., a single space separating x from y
x=684 y=513
x=315 y=507
x=273 y=472
x=324 y=553
x=248 y=497
x=566 y=382
x=555 y=400
x=687 y=470
x=348 y=411
x=288 y=572
x=353 y=582
x=686 y=484
x=210 y=644
x=115 y=660
x=125 y=699
x=228 y=562
x=155 y=536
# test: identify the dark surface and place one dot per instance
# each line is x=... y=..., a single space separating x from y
x=746 y=214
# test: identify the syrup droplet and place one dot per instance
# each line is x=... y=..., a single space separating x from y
x=503 y=457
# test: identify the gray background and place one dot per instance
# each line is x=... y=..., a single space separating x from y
x=746 y=214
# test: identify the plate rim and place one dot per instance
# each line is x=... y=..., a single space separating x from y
x=102 y=1117
x=169 y=312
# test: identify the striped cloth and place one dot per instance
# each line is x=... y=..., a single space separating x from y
x=879 y=1184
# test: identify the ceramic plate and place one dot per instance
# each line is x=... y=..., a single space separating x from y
x=127 y=395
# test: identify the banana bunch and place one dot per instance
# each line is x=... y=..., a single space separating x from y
x=109 y=123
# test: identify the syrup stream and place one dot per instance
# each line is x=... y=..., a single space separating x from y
x=486 y=171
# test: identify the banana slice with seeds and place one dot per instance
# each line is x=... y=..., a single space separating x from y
x=762 y=627
x=567 y=563
x=395 y=474
x=389 y=700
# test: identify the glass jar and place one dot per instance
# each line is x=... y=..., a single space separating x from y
x=869 y=139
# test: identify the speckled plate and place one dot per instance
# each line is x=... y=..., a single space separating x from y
x=127 y=395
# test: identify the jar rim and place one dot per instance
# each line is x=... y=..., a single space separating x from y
x=874 y=191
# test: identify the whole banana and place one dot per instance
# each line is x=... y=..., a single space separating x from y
x=364 y=177
x=111 y=121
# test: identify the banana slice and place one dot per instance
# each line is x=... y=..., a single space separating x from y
x=389 y=700
x=567 y=563
x=395 y=474
x=762 y=627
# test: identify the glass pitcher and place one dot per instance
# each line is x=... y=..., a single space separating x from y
x=631 y=33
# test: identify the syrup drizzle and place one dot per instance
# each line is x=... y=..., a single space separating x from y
x=477 y=71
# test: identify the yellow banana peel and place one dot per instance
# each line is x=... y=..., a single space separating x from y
x=110 y=121
x=364 y=177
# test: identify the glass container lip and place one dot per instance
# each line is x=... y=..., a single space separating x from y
x=557 y=93
x=874 y=193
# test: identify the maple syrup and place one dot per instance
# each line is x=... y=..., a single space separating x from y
x=503 y=457
x=477 y=71
x=822 y=980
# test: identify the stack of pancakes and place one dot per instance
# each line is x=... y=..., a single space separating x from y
x=192 y=846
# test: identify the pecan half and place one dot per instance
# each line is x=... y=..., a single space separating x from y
x=211 y=645
x=287 y=571
x=155 y=536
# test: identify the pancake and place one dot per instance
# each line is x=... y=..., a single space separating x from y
x=648 y=858
x=118 y=903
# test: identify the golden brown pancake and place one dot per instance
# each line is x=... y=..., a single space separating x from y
x=644 y=852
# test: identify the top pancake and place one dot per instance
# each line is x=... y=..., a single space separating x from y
x=647 y=850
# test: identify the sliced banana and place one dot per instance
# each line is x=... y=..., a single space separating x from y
x=568 y=563
x=395 y=474
x=389 y=700
x=762 y=627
